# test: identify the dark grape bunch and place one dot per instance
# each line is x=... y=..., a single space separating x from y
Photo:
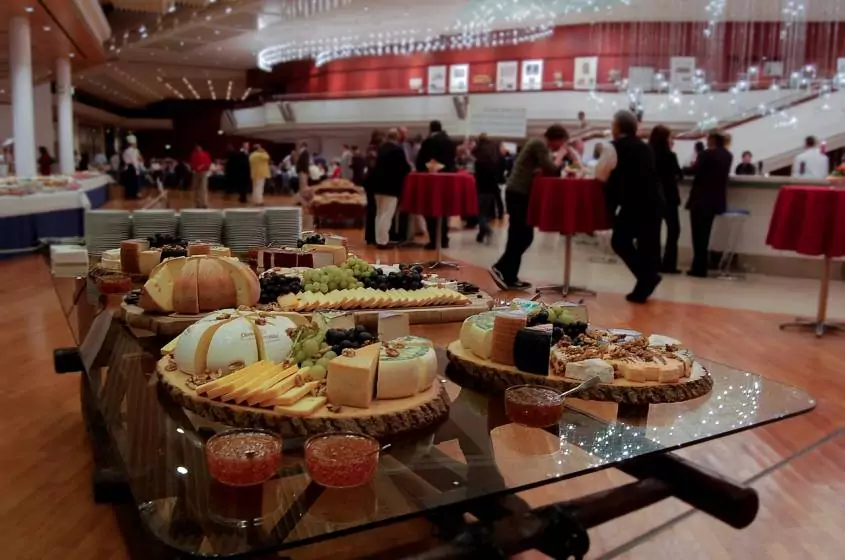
x=467 y=288
x=133 y=297
x=161 y=240
x=171 y=251
x=572 y=331
x=275 y=285
x=312 y=239
x=342 y=339
x=408 y=278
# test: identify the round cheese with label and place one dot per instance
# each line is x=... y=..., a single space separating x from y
x=232 y=339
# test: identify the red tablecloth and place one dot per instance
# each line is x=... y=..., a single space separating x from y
x=440 y=195
x=567 y=206
x=809 y=220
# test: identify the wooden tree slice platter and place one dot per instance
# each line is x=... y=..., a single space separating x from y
x=384 y=419
x=174 y=323
x=468 y=370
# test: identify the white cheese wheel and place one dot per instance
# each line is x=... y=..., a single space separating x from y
x=477 y=334
x=405 y=374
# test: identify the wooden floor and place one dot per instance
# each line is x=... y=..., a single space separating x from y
x=797 y=466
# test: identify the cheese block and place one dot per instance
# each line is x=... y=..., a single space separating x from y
x=659 y=340
x=248 y=387
x=322 y=258
x=130 y=251
x=668 y=371
x=393 y=325
x=221 y=252
x=270 y=388
x=292 y=395
x=148 y=260
x=351 y=379
x=477 y=334
x=247 y=288
x=199 y=249
x=532 y=349
x=185 y=296
x=285 y=258
x=215 y=286
x=505 y=326
x=223 y=385
x=587 y=369
x=406 y=366
x=336 y=253
x=157 y=294
x=334 y=319
x=336 y=240
x=303 y=407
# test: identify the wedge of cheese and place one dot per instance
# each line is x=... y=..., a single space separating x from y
x=215 y=286
x=170 y=346
x=247 y=288
x=351 y=379
x=221 y=386
x=246 y=386
x=157 y=294
x=293 y=395
x=266 y=390
x=303 y=407
x=185 y=296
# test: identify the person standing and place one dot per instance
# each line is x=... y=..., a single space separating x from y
x=811 y=163
x=388 y=179
x=668 y=173
x=200 y=165
x=303 y=166
x=488 y=171
x=438 y=147
x=131 y=168
x=45 y=161
x=707 y=199
x=259 y=171
x=634 y=203
x=534 y=159
x=358 y=166
x=238 y=173
x=746 y=167
x=346 y=163
x=376 y=140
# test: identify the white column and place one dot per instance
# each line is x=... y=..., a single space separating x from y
x=64 y=109
x=23 y=114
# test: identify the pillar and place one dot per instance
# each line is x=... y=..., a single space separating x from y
x=64 y=110
x=23 y=113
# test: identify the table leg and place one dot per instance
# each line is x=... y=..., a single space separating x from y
x=438 y=243
x=819 y=326
x=566 y=288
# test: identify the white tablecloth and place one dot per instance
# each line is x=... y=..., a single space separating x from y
x=40 y=203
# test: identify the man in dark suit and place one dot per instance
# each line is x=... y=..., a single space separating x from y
x=634 y=202
x=440 y=148
x=708 y=198
x=388 y=178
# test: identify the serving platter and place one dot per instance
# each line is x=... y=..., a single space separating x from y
x=384 y=419
x=468 y=370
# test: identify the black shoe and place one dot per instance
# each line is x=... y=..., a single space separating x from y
x=498 y=278
x=480 y=237
x=635 y=297
x=430 y=246
x=696 y=274
x=519 y=285
x=444 y=245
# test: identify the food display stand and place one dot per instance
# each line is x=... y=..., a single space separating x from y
x=150 y=464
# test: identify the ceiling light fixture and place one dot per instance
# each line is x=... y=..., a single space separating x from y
x=28 y=9
x=46 y=28
x=246 y=93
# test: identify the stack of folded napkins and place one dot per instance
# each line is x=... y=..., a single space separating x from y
x=68 y=261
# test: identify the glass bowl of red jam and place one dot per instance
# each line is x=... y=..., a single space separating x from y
x=533 y=405
x=342 y=460
x=243 y=457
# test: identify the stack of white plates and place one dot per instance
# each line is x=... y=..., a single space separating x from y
x=244 y=229
x=201 y=224
x=147 y=223
x=284 y=224
x=105 y=229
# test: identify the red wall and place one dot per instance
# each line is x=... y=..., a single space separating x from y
x=725 y=55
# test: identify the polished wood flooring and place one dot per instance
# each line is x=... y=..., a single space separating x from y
x=797 y=466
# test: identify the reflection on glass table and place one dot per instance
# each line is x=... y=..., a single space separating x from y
x=477 y=454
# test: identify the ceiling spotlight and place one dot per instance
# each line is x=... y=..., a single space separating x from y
x=228 y=9
x=28 y=9
x=220 y=132
x=72 y=55
x=46 y=28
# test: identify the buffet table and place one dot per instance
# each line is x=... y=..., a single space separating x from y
x=26 y=219
x=150 y=456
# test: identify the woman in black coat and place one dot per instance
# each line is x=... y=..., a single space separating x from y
x=488 y=172
x=669 y=173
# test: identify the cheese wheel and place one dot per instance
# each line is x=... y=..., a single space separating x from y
x=130 y=252
x=215 y=286
x=185 y=296
x=148 y=260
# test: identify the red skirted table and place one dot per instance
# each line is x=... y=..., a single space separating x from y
x=811 y=221
x=567 y=207
x=441 y=196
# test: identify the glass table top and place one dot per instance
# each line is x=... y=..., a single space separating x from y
x=477 y=453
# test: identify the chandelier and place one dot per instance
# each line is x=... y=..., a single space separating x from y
x=483 y=23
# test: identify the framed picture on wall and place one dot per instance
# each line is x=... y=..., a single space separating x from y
x=682 y=72
x=506 y=74
x=586 y=72
x=459 y=78
x=436 y=79
x=532 y=75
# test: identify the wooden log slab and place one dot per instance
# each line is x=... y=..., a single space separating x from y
x=472 y=372
x=174 y=323
x=384 y=419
